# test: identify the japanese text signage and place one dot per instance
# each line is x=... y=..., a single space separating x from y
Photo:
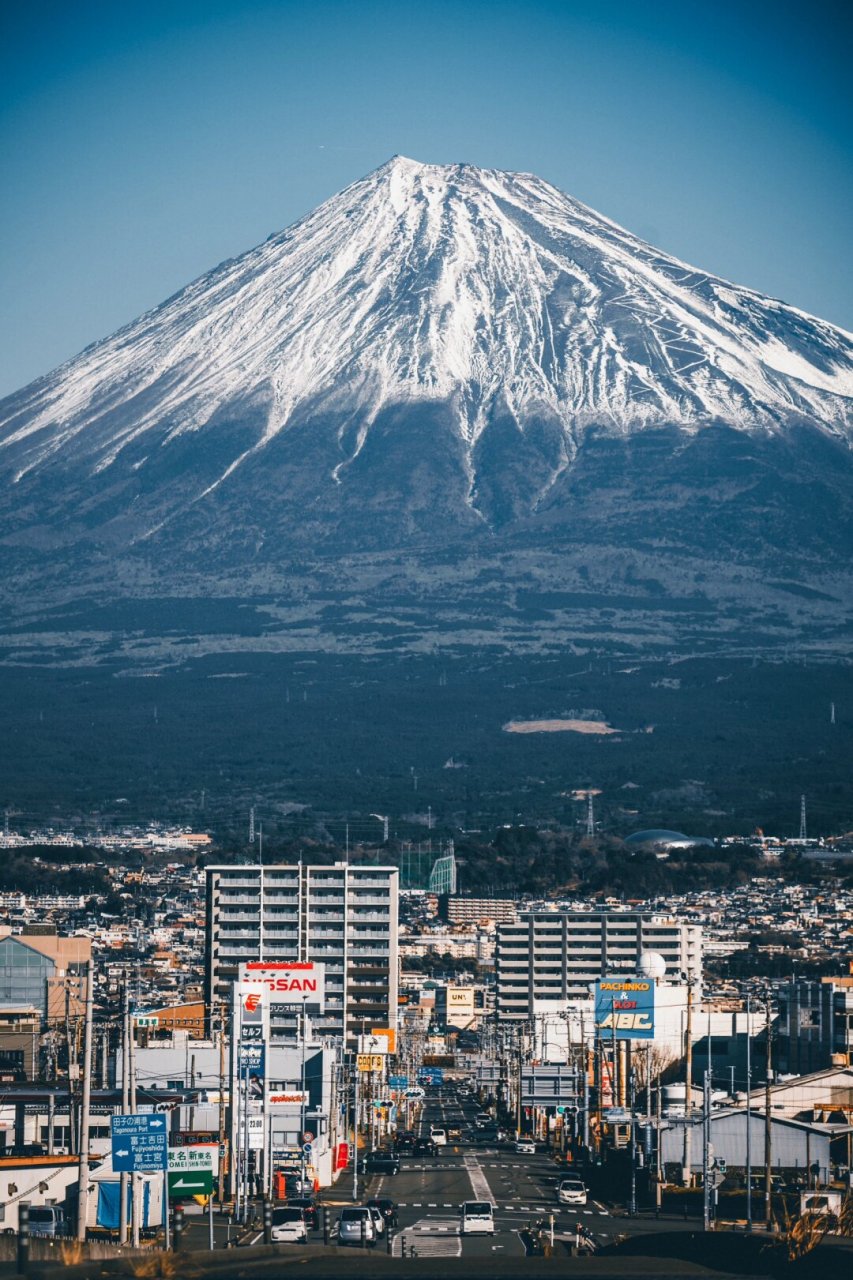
x=139 y=1143
x=625 y=1008
x=291 y=985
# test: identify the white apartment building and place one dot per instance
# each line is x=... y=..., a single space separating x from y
x=340 y=916
x=555 y=955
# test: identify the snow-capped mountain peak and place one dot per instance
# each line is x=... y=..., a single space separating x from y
x=490 y=293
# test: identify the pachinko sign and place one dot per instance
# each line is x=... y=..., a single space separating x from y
x=291 y=984
x=625 y=1008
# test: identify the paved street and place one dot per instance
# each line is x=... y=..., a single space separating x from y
x=430 y=1191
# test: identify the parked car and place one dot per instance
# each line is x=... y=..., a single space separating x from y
x=309 y=1210
x=382 y=1162
x=477 y=1218
x=355 y=1226
x=47 y=1220
x=289 y=1225
x=425 y=1147
x=571 y=1190
x=386 y=1207
x=526 y=1146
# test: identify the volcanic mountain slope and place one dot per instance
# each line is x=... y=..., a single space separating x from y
x=439 y=356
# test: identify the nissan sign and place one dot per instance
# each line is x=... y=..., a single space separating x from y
x=293 y=984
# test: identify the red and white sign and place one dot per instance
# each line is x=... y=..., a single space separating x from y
x=295 y=1099
x=294 y=983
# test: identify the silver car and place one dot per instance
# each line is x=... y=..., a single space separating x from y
x=356 y=1226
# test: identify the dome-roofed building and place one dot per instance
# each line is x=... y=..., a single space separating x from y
x=663 y=839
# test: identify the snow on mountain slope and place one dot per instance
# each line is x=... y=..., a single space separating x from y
x=492 y=292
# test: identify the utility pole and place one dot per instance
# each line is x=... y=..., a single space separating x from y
x=748 y=1118
x=632 y=1204
x=768 y=1152
x=222 y=1105
x=134 y=1180
x=658 y=1137
x=688 y=1095
x=83 y=1176
x=125 y=1105
x=71 y=1049
x=706 y=1151
x=355 y=1137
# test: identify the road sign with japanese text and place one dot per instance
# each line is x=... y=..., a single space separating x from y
x=139 y=1143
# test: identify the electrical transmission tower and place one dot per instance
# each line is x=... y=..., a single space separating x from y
x=252 y=825
x=802 y=817
x=590 y=816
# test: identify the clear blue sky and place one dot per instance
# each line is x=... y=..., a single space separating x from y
x=141 y=142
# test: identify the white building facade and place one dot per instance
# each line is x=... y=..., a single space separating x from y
x=555 y=955
x=340 y=916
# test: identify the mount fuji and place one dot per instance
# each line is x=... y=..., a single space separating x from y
x=445 y=391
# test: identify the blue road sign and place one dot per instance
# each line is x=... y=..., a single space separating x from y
x=398 y=1082
x=140 y=1143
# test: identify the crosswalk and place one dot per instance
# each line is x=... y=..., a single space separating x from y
x=513 y=1207
x=429 y=1238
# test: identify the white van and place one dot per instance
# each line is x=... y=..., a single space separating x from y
x=47 y=1220
x=478 y=1219
x=439 y=1136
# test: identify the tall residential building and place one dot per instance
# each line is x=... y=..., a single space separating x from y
x=555 y=955
x=341 y=916
x=815 y=1024
x=456 y=909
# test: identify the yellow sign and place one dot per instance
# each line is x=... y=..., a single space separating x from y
x=370 y=1061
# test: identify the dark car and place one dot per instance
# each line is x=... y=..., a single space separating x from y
x=382 y=1162
x=425 y=1147
x=405 y=1144
x=309 y=1210
x=386 y=1207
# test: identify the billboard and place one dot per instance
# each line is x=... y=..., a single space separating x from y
x=390 y=1035
x=376 y=1042
x=253 y=1011
x=625 y=1008
x=294 y=984
x=252 y=1067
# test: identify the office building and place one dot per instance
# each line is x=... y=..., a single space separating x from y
x=340 y=916
x=815 y=1024
x=41 y=971
x=555 y=955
